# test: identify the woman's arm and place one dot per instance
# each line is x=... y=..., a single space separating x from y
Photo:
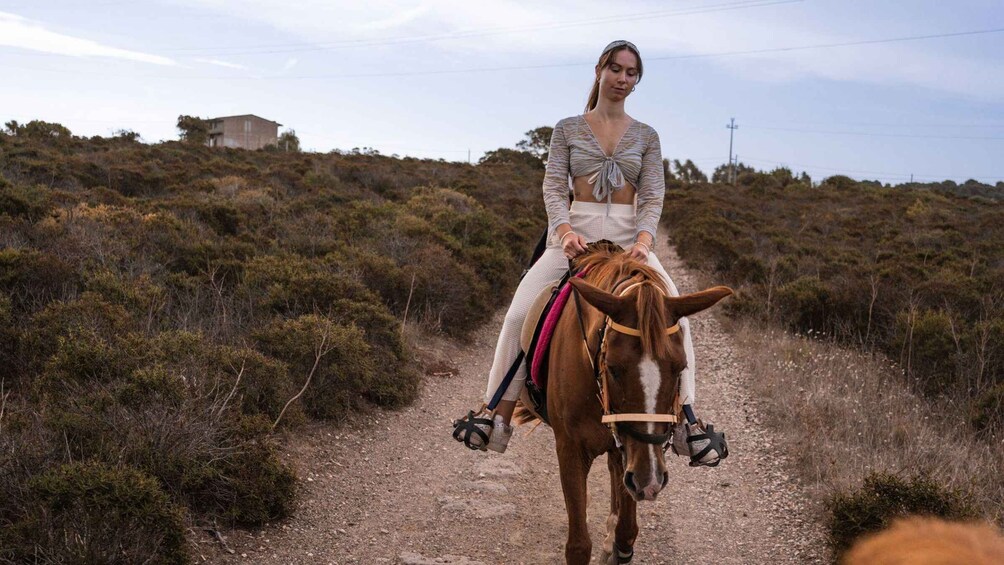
x=651 y=191
x=556 y=181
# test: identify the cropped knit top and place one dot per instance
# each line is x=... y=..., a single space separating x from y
x=576 y=152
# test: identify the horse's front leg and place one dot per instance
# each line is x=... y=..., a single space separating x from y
x=574 y=463
x=622 y=524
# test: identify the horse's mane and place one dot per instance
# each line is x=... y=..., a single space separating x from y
x=609 y=265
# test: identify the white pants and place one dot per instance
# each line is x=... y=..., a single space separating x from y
x=591 y=221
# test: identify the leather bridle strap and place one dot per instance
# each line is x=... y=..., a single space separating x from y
x=631 y=331
x=643 y=417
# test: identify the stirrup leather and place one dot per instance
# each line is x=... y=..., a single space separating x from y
x=467 y=426
x=716 y=443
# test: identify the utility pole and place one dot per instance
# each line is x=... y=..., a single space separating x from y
x=468 y=156
x=732 y=130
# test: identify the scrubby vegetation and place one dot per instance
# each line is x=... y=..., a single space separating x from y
x=165 y=308
x=162 y=305
x=882 y=499
x=917 y=274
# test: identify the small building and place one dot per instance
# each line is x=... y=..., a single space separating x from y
x=245 y=132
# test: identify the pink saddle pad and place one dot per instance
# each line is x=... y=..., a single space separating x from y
x=547 y=331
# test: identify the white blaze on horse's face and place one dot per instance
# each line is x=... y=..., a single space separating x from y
x=651 y=379
x=648 y=388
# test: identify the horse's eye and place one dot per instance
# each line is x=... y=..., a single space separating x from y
x=615 y=372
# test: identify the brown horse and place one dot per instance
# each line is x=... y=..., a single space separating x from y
x=630 y=339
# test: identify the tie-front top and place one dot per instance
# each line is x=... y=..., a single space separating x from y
x=637 y=158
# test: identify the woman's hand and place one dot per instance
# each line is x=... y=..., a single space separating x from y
x=573 y=244
x=639 y=251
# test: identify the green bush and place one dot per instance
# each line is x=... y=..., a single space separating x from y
x=931 y=348
x=343 y=373
x=32 y=203
x=804 y=304
x=35 y=278
x=884 y=497
x=988 y=411
x=91 y=512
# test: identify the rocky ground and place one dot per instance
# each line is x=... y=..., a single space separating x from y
x=394 y=487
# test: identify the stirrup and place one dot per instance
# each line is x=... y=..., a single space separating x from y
x=467 y=428
x=716 y=442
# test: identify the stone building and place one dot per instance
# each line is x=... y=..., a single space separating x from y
x=245 y=132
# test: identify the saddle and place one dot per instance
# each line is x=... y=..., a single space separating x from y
x=533 y=395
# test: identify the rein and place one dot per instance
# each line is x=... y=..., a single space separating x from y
x=601 y=374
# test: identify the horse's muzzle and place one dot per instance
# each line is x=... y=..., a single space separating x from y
x=644 y=492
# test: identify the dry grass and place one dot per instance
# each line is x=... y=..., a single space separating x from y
x=844 y=414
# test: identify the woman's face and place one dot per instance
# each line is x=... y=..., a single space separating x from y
x=619 y=76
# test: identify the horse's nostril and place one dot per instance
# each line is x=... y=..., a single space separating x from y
x=629 y=482
x=665 y=479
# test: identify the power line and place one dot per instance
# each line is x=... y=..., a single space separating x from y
x=827 y=45
x=354 y=43
x=533 y=67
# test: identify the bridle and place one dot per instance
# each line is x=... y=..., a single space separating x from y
x=601 y=373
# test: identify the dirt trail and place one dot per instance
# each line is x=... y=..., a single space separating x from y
x=394 y=487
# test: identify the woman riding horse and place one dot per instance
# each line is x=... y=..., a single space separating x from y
x=616 y=171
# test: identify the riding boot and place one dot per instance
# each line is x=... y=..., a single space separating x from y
x=499 y=438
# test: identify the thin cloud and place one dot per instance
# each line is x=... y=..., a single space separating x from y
x=540 y=31
x=19 y=32
x=290 y=63
x=399 y=19
x=220 y=63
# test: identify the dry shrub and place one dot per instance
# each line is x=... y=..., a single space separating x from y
x=141 y=296
x=885 y=497
x=229 y=186
x=33 y=279
x=844 y=414
x=31 y=203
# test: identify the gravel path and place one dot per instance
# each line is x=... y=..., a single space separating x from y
x=394 y=487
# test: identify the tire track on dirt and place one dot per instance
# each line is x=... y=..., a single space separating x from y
x=394 y=487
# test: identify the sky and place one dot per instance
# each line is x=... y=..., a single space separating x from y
x=874 y=89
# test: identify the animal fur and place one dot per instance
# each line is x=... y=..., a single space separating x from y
x=929 y=541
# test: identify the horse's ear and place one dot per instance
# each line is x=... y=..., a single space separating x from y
x=689 y=304
x=603 y=301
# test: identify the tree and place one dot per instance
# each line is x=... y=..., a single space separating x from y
x=126 y=134
x=193 y=129
x=37 y=129
x=506 y=156
x=721 y=174
x=537 y=142
x=289 y=142
x=667 y=170
x=688 y=172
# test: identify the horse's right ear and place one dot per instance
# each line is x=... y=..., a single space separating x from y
x=605 y=302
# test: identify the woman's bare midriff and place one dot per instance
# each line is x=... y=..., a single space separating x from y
x=584 y=192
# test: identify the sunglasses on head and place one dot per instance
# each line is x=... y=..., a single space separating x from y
x=619 y=43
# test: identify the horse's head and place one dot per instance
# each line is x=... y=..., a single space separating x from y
x=643 y=367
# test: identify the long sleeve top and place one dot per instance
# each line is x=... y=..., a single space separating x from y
x=576 y=152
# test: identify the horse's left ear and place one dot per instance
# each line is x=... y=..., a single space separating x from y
x=605 y=302
x=689 y=304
